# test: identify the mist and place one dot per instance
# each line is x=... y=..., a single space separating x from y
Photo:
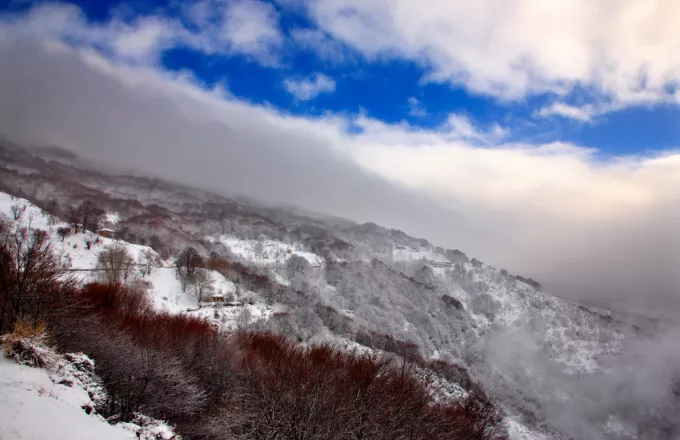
x=636 y=396
x=150 y=121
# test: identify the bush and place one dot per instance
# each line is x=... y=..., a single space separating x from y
x=286 y=390
x=26 y=344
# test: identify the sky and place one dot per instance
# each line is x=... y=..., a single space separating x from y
x=538 y=136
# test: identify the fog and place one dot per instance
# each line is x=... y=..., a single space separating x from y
x=640 y=390
x=605 y=233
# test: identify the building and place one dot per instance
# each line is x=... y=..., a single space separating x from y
x=106 y=232
x=216 y=298
x=440 y=263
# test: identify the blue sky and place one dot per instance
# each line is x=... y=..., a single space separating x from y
x=391 y=88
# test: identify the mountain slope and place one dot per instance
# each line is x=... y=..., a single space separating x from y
x=361 y=283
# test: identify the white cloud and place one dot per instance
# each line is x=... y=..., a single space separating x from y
x=242 y=27
x=251 y=27
x=463 y=127
x=583 y=114
x=144 y=40
x=320 y=43
x=308 y=88
x=415 y=108
x=624 y=50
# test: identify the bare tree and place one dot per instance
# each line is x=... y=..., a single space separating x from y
x=201 y=283
x=18 y=210
x=243 y=318
x=280 y=257
x=63 y=232
x=115 y=263
x=296 y=265
x=91 y=215
x=188 y=261
x=85 y=217
x=258 y=250
x=73 y=217
x=147 y=261
x=29 y=272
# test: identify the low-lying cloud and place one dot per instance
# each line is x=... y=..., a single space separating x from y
x=587 y=228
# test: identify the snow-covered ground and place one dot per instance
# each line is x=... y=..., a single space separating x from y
x=267 y=252
x=403 y=253
x=33 y=407
x=517 y=431
x=60 y=400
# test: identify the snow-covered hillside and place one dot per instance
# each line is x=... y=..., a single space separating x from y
x=524 y=345
x=403 y=253
x=162 y=285
x=495 y=306
x=571 y=335
x=266 y=252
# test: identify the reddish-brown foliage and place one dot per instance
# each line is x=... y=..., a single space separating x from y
x=286 y=390
x=254 y=385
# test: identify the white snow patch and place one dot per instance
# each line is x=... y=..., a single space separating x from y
x=517 y=431
x=32 y=407
x=402 y=253
x=112 y=218
x=270 y=252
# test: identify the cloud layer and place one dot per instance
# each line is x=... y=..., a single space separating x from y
x=623 y=51
x=594 y=229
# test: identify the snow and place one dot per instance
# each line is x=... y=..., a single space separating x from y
x=517 y=431
x=618 y=428
x=570 y=336
x=403 y=253
x=273 y=252
x=112 y=218
x=166 y=290
x=28 y=395
x=66 y=395
x=163 y=287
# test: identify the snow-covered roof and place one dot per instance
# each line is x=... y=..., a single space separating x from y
x=105 y=230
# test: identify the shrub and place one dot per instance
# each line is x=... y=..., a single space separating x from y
x=285 y=390
x=26 y=344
